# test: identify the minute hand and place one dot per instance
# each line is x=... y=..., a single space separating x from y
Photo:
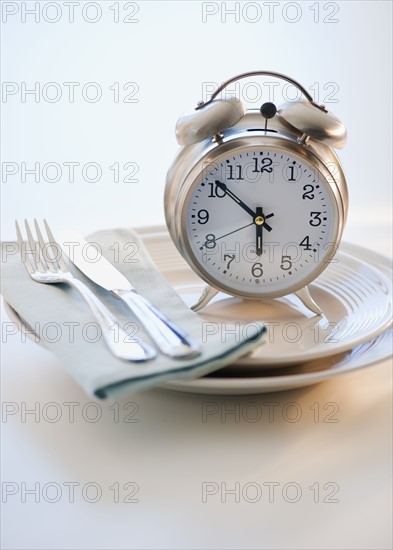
x=228 y=192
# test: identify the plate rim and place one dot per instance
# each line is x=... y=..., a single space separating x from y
x=234 y=385
x=251 y=384
x=347 y=249
x=283 y=381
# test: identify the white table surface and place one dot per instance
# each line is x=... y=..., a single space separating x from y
x=184 y=463
x=173 y=52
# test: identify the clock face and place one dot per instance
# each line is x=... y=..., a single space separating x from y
x=260 y=222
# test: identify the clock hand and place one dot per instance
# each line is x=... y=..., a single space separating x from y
x=259 y=221
x=230 y=233
x=258 y=224
x=228 y=192
x=263 y=221
x=235 y=198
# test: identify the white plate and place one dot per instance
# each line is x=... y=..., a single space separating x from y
x=224 y=382
x=241 y=378
x=354 y=294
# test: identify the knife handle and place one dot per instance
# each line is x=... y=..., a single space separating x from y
x=170 y=339
x=117 y=339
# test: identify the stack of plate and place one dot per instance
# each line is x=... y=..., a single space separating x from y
x=300 y=349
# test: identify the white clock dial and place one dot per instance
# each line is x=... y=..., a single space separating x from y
x=261 y=222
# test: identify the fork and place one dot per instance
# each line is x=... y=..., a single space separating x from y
x=44 y=263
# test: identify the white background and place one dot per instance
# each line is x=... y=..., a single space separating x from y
x=170 y=52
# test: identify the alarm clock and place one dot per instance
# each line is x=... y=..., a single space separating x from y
x=256 y=199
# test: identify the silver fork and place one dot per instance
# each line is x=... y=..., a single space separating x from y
x=44 y=263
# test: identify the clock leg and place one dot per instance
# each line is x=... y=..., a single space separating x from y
x=303 y=294
x=307 y=300
x=208 y=294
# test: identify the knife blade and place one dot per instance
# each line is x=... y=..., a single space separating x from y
x=169 y=338
x=88 y=258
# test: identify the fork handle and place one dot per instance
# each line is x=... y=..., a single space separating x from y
x=170 y=339
x=117 y=339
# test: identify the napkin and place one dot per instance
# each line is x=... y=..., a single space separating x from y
x=66 y=327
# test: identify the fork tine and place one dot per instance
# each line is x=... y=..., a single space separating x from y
x=19 y=235
x=22 y=248
x=45 y=247
x=60 y=260
x=35 y=250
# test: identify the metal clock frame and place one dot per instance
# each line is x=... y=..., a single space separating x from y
x=187 y=170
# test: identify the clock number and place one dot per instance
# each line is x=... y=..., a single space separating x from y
x=291 y=173
x=315 y=218
x=257 y=270
x=286 y=263
x=203 y=217
x=210 y=241
x=216 y=192
x=308 y=192
x=231 y=256
x=238 y=172
x=265 y=165
x=306 y=243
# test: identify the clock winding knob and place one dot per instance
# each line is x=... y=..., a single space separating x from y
x=268 y=110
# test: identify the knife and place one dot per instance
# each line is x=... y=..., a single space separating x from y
x=169 y=338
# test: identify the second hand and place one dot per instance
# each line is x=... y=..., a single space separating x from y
x=226 y=234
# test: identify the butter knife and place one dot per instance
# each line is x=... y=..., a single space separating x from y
x=170 y=339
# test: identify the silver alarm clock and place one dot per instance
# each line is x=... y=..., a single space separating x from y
x=256 y=200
